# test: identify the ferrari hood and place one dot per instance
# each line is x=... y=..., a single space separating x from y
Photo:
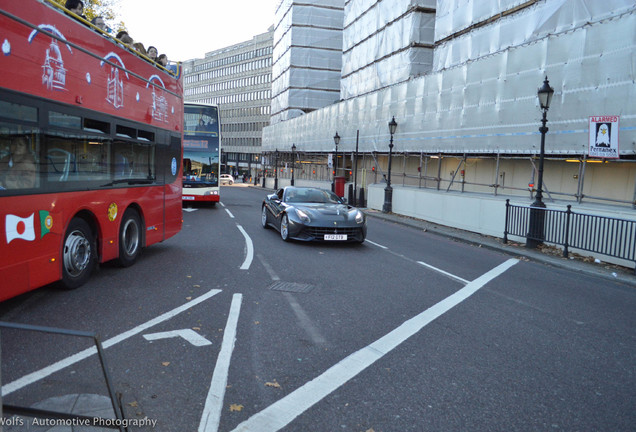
x=324 y=209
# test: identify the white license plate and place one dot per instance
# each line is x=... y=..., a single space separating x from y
x=335 y=236
x=188 y=198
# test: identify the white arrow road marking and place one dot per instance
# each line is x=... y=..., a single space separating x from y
x=190 y=335
x=285 y=410
x=75 y=358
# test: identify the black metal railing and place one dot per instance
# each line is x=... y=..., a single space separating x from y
x=600 y=234
x=118 y=422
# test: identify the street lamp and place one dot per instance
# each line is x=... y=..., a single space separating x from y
x=276 y=170
x=293 y=162
x=537 y=215
x=336 y=140
x=388 y=190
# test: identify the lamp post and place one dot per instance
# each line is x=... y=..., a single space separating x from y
x=336 y=140
x=276 y=170
x=293 y=162
x=388 y=190
x=537 y=214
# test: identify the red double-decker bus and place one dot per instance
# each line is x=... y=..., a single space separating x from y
x=90 y=149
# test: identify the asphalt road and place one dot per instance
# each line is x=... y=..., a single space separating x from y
x=226 y=327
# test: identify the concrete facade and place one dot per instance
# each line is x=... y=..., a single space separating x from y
x=238 y=80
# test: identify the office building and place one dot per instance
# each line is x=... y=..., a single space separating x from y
x=238 y=79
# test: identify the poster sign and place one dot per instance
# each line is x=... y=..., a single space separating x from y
x=604 y=137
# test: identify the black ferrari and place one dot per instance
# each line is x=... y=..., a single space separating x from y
x=303 y=213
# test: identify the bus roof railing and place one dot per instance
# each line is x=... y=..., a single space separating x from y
x=113 y=39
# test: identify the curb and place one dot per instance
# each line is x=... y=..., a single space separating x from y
x=613 y=273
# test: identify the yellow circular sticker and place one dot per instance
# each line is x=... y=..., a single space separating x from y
x=112 y=212
x=48 y=222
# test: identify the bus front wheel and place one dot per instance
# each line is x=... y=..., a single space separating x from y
x=130 y=239
x=79 y=254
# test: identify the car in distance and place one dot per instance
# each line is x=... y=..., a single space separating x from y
x=303 y=213
x=226 y=179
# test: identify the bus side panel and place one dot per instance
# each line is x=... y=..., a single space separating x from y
x=170 y=168
x=14 y=280
x=174 y=210
x=30 y=246
x=152 y=205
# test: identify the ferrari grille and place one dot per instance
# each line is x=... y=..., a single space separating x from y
x=319 y=232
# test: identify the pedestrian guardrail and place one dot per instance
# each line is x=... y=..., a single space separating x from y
x=119 y=422
x=600 y=234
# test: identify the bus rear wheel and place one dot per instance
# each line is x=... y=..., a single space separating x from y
x=79 y=254
x=130 y=239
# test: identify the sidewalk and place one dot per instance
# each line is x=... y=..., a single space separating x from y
x=547 y=255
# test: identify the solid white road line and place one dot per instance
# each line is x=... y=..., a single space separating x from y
x=58 y=366
x=376 y=244
x=284 y=411
x=214 y=402
x=305 y=321
x=452 y=276
x=268 y=268
x=250 y=250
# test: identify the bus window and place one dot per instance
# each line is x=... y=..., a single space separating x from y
x=134 y=161
x=77 y=159
x=18 y=166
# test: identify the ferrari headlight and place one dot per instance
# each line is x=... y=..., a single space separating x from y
x=359 y=217
x=303 y=216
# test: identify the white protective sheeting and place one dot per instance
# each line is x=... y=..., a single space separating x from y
x=300 y=78
x=489 y=104
x=397 y=68
x=307 y=56
x=456 y=15
x=546 y=17
x=379 y=37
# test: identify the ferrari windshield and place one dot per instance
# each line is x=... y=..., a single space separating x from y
x=310 y=195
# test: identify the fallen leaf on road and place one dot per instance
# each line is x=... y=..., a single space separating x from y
x=165 y=363
x=236 y=407
x=133 y=404
x=272 y=384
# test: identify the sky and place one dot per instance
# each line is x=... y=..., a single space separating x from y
x=187 y=29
